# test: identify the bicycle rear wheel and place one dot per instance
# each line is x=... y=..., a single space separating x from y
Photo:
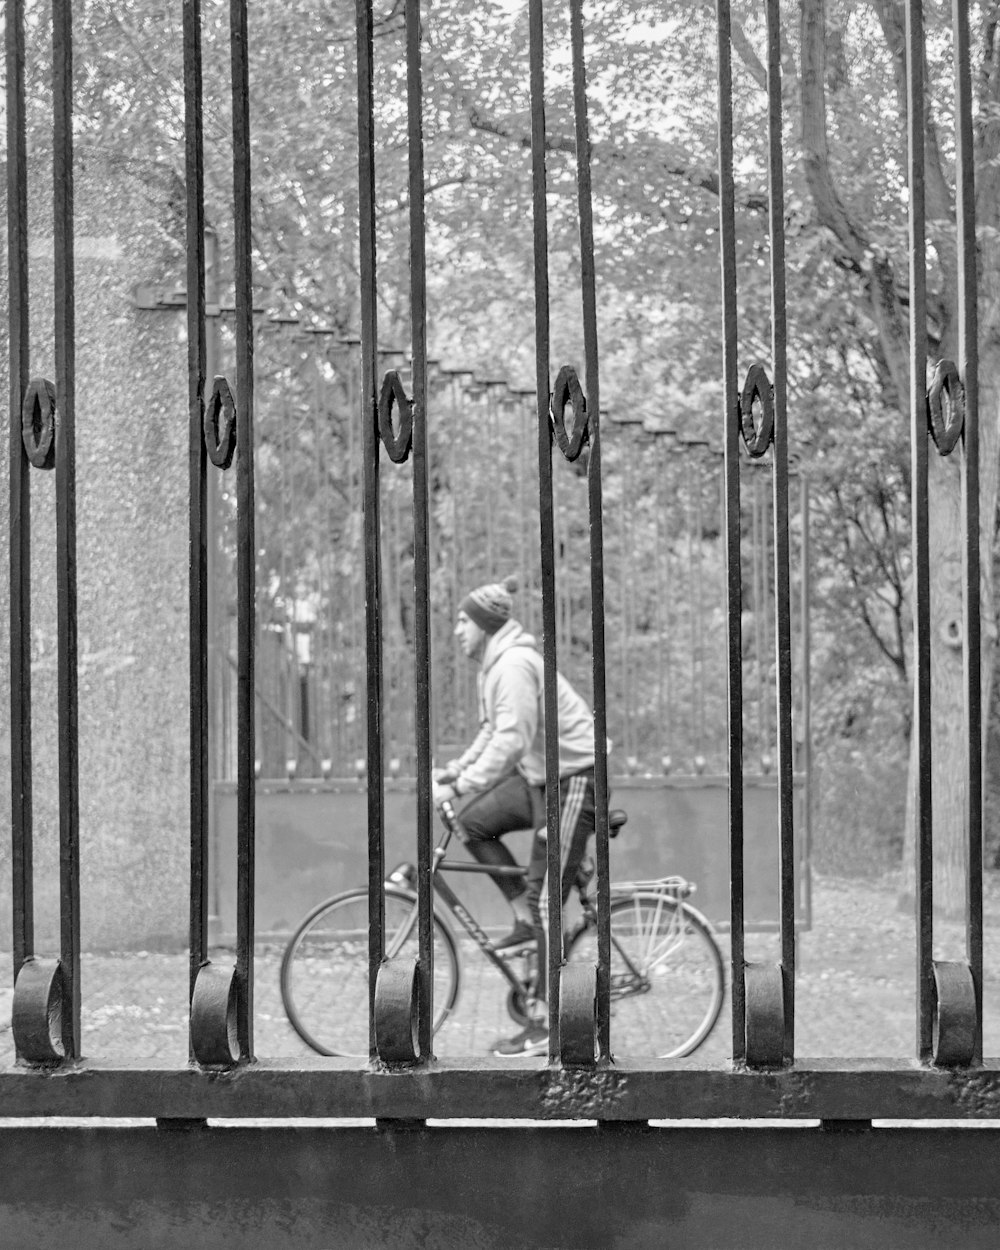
x=324 y=971
x=667 y=981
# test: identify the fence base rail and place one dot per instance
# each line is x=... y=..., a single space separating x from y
x=834 y=1090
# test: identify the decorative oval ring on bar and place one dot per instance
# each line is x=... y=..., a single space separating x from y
x=578 y=1015
x=765 y=1015
x=220 y=424
x=213 y=1016
x=946 y=382
x=568 y=390
x=954 y=1014
x=36 y=1015
x=38 y=423
x=396 y=1012
x=757 y=386
x=392 y=395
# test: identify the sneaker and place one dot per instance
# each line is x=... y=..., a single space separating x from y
x=533 y=1040
x=521 y=934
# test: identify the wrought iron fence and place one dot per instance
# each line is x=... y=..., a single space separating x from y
x=392 y=440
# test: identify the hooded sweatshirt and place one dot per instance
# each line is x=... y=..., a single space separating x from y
x=511 y=687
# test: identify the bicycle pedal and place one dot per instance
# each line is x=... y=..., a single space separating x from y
x=521 y=952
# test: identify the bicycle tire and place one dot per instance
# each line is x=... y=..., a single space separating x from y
x=324 y=970
x=669 y=1005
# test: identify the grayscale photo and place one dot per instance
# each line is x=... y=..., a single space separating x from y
x=499 y=709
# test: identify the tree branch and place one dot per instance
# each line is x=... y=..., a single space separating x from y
x=896 y=657
x=987 y=139
x=856 y=251
x=704 y=179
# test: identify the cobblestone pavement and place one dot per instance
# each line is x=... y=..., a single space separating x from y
x=854 y=991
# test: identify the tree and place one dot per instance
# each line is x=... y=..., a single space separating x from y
x=652 y=104
x=827 y=83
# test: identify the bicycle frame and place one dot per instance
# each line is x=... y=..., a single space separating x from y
x=669 y=890
x=454 y=904
x=673 y=889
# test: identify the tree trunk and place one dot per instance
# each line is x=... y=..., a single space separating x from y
x=949 y=808
x=949 y=781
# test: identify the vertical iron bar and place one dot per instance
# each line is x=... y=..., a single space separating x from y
x=920 y=527
x=389 y=552
x=627 y=582
x=368 y=389
x=458 y=673
x=692 y=600
x=321 y=654
x=526 y=422
x=661 y=599
x=727 y=228
x=806 y=590
x=520 y=439
x=485 y=397
x=782 y=590
x=695 y=609
x=968 y=363
x=699 y=531
x=284 y=695
x=764 y=618
x=596 y=511
x=667 y=601
x=262 y=757
x=355 y=487
x=65 y=353
x=536 y=53
x=23 y=939
x=218 y=673
x=759 y=592
x=198 y=488
x=421 y=534
x=245 y=551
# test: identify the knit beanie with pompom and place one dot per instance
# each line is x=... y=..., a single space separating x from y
x=490 y=606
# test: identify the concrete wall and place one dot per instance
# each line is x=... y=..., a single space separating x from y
x=312 y=842
x=131 y=444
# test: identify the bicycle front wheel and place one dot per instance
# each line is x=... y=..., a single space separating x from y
x=324 y=971
x=666 y=975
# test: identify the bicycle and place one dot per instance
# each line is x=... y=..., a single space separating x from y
x=667 y=980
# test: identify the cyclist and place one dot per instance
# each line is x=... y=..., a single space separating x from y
x=504 y=770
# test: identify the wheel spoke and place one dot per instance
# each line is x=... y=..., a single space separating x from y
x=666 y=975
x=324 y=973
x=402 y=934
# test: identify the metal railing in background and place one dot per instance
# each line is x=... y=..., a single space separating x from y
x=664 y=500
x=665 y=573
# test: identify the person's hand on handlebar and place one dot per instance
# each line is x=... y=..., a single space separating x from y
x=443 y=789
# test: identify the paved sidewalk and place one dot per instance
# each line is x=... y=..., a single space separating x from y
x=854 y=990
x=135 y=1007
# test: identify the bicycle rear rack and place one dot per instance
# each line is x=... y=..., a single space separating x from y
x=674 y=887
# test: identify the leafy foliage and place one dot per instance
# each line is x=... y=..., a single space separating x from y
x=653 y=124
